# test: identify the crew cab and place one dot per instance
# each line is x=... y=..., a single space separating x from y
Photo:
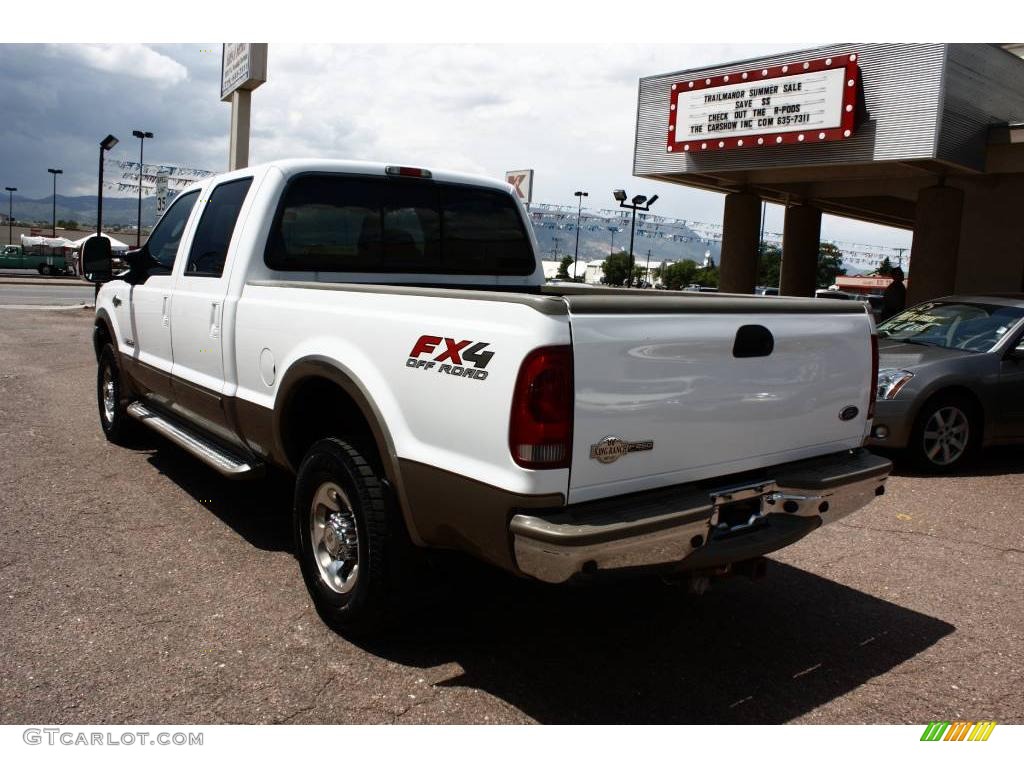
x=384 y=335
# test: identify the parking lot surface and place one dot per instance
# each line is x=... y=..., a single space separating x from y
x=138 y=586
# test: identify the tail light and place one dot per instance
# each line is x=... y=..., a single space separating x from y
x=874 y=376
x=540 y=429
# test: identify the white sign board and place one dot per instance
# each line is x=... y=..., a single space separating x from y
x=243 y=66
x=161 y=190
x=522 y=181
x=807 y=102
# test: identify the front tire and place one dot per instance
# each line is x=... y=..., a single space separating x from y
x=349 y=540
x=946 y=434
x=117 y=425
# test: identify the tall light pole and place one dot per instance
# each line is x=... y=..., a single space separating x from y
x=54 y=171
x=636 y=204
x=613 y=230
x=141 y=136
x=579 y=217
x=10 y=213
x=105 y=146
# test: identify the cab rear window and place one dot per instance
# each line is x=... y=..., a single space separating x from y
x=333 y=223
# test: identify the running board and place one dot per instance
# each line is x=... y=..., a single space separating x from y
x=206 y=451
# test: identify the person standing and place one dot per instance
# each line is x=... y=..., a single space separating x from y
x=894 y=299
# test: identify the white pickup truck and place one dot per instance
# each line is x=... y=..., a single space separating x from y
x=385 y=335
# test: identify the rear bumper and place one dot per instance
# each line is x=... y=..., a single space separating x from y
x=682 y=528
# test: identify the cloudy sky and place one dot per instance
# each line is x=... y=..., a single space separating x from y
x=567 y=111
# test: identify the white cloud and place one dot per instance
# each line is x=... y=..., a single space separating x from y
x=131 y=59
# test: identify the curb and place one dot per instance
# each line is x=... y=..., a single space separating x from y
x=13 y=280
x=49 y=307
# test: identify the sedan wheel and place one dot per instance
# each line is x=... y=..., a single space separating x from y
x=946 y=435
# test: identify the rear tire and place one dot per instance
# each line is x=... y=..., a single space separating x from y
x=115 y=422
x=350 y=541
x=46 y=269
x=946 y=434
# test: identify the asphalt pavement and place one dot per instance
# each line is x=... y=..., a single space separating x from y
x=18 y=290
x=139 y=586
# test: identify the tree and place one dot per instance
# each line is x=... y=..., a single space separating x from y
x=769 y=265
x=616 y=269
x=563 y=268
x=885 y=268
x=830 y=264
x=677 y=275
x=708 y=277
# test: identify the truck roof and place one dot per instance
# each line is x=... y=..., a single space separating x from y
x=292 y=166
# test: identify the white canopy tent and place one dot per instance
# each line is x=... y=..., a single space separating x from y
x=115 y=245
x=29 y=241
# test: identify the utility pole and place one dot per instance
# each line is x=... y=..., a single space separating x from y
x=141 y=136
x=54 y=171
x=10 y=213
x=579 y=217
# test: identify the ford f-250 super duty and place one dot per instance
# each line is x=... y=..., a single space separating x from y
x=384 y=333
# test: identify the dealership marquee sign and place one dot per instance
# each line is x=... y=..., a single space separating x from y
x=243 y=66
x=804 y=102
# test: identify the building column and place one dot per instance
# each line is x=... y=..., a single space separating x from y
x=801 y=238
x=741 y=234
x=936 y=243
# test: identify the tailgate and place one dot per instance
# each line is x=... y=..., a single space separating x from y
x=692 y=396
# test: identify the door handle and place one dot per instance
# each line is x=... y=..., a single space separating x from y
x=116 y=301
x=165 y=317
x=214 y=320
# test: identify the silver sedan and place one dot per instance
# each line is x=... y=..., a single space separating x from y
x=951 y=379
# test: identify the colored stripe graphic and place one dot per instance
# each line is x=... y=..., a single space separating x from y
x=982 y=730
x=958 y=730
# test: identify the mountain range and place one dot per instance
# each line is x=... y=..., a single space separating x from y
x=121 y=211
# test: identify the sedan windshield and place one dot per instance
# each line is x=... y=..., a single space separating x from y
x=953 y=325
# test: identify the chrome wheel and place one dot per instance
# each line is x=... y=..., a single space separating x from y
x=946 y=435
x=109 y=400
x=335 y=538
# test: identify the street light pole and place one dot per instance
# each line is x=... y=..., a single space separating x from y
x=54 y=171
x=141 y=136
x=10 y=213
x=636 y=204
x=105 y=145
x=579 y=216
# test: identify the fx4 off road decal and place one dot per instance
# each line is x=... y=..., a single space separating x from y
x=465 y=359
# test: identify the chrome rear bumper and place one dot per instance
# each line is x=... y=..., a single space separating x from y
x=696 y=526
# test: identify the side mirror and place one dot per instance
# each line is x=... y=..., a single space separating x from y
x=96 y=260
x=1016 y=353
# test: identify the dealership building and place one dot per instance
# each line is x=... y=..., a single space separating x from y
x=928 y=137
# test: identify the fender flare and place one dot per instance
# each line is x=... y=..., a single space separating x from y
x=103 y=318
x=318 y=366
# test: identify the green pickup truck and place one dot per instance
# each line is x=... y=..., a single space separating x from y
x=44 y=260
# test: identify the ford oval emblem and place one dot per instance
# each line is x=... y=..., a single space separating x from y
x=849 y=413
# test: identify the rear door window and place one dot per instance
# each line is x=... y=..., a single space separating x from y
x=337 y=223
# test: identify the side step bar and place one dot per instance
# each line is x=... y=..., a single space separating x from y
x=206 y=451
